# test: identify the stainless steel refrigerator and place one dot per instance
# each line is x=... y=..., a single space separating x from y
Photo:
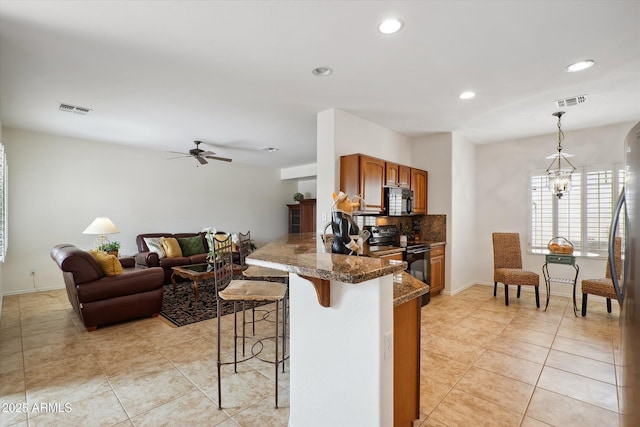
x=629 y=290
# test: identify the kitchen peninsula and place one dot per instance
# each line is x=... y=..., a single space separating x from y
x=344 y=318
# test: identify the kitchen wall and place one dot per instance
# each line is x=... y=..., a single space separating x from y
x=501 y=202
x=1 y=263
x=341 y=133
x=58 y=185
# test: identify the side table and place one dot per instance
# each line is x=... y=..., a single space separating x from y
x=563 y=259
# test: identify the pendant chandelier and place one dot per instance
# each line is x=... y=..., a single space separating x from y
x=560 y=170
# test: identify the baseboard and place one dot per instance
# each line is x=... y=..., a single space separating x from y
x=32 y=290
x=450 y=293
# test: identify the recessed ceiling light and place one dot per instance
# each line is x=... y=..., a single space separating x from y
x=580 y=65
x=390 y=26
x=322 y=71
x=467 y=95
x=269 y=149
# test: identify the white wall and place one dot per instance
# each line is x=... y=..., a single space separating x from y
x=341 y=133
x=1 y=263
x=461 y=241
x=434 y=154
x=502 y=196
x=59 y=185
x=308 y=188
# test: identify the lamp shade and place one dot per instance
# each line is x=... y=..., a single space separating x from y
x=101 y=225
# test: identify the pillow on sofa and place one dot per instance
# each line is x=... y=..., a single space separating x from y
x=171 y=247
x=109 y=263
x=155 y=245
x=191 y=245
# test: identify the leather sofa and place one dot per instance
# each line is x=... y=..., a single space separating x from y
x=99 y=299
x=145 y=258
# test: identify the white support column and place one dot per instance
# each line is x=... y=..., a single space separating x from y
x=339 y=375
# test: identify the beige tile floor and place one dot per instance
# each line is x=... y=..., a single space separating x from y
x=482 y=364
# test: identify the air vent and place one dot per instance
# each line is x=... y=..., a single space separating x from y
x=74 y=109
x=571 y=102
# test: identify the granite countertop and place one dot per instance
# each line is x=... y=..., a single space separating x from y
x=381 y=250
x=406 y=287
x=298 y=253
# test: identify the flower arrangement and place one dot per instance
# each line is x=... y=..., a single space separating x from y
x=298 y=196
x=110 y=247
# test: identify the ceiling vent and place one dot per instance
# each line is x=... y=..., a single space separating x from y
x=571 y=102
x=74 y=109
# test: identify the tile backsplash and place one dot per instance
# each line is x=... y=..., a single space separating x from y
x=433 y=228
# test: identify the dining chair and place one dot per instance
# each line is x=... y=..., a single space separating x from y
x=507 y=266
x=244 y=248
x=603 y=287
x=243 y=291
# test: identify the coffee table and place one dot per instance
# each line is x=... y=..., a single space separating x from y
x=193 y=272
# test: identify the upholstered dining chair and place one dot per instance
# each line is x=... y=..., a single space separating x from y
x=243 y=291
x=507 y=266
x=604 y=287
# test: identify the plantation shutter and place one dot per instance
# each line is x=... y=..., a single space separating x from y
x=541 y=211
x=569 y=213
x=600 y=201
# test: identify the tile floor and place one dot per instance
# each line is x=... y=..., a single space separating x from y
x=483 y=364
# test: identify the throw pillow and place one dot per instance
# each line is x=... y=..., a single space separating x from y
x=155 y=245
x=109 y=263
x=220 y=237
x=171 y=247
x=191 y=245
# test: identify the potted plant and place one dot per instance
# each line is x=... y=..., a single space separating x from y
x=111 y=248
x=406 y=233
x=298 y=196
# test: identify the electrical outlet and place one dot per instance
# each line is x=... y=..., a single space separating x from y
x=324 y=216
x=388 y=345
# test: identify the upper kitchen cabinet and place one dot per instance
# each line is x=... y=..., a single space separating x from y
x=365 y=176
x=398 y=175
x=419 y=185
x=392 y=174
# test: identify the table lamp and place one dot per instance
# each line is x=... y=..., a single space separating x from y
x=101 y=226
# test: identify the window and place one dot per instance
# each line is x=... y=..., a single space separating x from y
x=583 y=215
x=3 y=204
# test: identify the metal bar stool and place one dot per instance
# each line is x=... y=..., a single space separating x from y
x=244 y=291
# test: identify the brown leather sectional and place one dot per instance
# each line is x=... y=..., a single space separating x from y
x=144 y=258
x=99 y=299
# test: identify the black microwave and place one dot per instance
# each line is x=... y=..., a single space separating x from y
x=398 y=201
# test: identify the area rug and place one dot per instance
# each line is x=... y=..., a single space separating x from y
x=180 y=308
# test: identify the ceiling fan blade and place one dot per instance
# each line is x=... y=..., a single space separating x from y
x=178 y=152
x=223 y=159
x=180 y=157
x=202 y=160
x=207 y=153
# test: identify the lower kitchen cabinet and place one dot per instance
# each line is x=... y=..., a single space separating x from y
x=436 y=270
x=406 y=363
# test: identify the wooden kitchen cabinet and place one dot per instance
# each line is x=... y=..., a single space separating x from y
x=419 y=185
x=302 y=216
x=398 y=175
x=397 y=256
x=406 y=363
x=436 y=270
x=364 y=176
x=404 y=176
x=392 y=174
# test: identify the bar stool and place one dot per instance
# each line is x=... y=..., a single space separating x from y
x=244 y=291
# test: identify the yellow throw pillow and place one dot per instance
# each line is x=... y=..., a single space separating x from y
x=109 y=263
x=171 y=247
x=220 y=237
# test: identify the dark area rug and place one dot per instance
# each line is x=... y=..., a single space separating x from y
x=180 y=307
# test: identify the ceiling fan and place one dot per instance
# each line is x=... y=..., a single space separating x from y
x=201 y=155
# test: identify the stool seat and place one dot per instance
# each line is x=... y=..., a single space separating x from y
x=253 y=290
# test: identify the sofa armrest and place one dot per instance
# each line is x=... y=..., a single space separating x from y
x=148 y=259
x=127 y=261
x=131 y=281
